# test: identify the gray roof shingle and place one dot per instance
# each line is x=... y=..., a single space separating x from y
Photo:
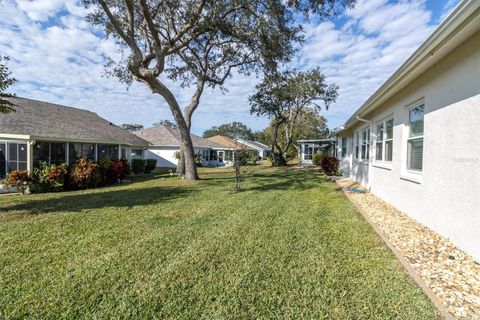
x=169 y=137
x=47 y=120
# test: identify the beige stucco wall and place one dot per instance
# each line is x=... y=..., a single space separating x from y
x=446 y=195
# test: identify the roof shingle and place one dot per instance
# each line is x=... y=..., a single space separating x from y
x=169 y=137
x=229 y=143
x=52 y=121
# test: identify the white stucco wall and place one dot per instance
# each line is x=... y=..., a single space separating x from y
x=165 y=156
x=446 y=195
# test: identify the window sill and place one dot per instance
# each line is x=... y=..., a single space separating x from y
x=382 y=165
x=412 y=177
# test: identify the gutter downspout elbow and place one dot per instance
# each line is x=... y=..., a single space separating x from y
x=363 y=120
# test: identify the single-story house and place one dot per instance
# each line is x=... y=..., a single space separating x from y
x=41 y=131
x=263 y=150
x=307 y=148
x=165 y=143
x=231 y=144
x=414 y=142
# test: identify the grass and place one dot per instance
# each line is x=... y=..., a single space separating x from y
x=288 y=246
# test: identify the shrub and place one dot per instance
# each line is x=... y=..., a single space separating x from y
x=106 y=169
x=150 y=165
x=281 y=161
x=330 y=165
x=198 y=160
x=288 y=156
x=316 y=158
x=120 y=169
x=85 y=174
x=50 y=178
x=21 y=180
x=138 y=166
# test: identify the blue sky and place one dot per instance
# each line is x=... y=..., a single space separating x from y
x=57 y=57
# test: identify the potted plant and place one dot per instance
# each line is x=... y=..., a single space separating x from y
x=4 y=187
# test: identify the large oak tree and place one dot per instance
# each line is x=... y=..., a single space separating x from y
x=234 y=130
x=200 y=43
x=309 y=125
x=283 y=97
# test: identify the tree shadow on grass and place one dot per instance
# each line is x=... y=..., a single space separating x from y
x=290 y=179
x=85 y=200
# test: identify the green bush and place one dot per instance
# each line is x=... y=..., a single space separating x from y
x=50 y=178
x=106 y=169
x=138 y=166
x=316 y=158
x=85 y=174
x=198 y=160
x=150 y=165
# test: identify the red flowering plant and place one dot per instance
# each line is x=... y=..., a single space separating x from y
x=21 y=180
x=50 y=178
x=85 y=174
x=330 y=165
x=120 y=169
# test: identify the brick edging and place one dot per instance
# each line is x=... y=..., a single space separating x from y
x=406 y=265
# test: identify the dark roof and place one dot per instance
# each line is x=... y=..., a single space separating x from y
x=43 y=120
x=163 y=136
x=229 y=143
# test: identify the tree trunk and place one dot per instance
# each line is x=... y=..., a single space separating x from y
x=186 y=140
x=181 y=162
x=187 y=114
x=274 y=143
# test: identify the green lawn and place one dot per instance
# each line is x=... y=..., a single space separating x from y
x=288 y=246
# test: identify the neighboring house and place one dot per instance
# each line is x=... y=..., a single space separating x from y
x=263 y=150
x=40 y=131
x=307 y=148
x=232 y=145
x=165 y=143
x=414 y=142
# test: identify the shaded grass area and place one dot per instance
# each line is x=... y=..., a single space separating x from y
x=288 y=246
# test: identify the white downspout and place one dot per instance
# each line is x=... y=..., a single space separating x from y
x=30 y=145
x=369 y=151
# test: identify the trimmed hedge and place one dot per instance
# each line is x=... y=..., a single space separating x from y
x=138 y=166
x=150 y=165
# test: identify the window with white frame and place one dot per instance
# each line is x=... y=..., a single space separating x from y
x=365 y=134
x=415 y=138
x=205 y=155
x=136 y=154
x=384 y=140
x=344 y=147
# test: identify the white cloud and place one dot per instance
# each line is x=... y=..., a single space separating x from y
x=375 y=40
x=57 y=56
x=40 y=10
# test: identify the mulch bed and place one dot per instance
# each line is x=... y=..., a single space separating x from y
x=452 y=275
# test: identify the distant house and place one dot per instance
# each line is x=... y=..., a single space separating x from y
x=234 y=145
x=263 y=150
x=165 y=143
x=41 y=131
x=307 y=148
x=414 y=142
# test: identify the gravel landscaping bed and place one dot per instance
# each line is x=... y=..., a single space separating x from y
x=451 y=274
